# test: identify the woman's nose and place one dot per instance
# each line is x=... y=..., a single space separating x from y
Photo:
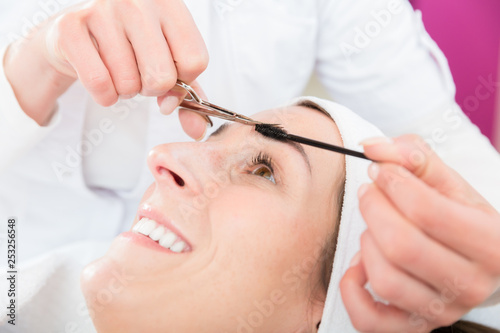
x=171 y=166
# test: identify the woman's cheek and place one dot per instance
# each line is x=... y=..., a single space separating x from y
x=247 y=211
x=254 y=226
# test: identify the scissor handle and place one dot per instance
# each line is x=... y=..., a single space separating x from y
x=193 y=96
x=193 y=102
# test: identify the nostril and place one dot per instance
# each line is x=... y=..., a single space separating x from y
x=177 y=179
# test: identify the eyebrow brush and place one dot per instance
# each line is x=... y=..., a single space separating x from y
x=280 y=134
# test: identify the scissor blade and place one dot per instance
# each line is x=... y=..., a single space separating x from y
x=202 y=109
x=209 y=109
x=236 y=116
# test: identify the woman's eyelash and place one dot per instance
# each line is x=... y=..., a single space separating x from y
x=264 y=159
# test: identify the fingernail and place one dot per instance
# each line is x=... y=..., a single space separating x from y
x=362 y=190
x=355 y=260
x=127 y=96
x=376 y=141
x=373 y=171
x=169 y=104
x=203 y=135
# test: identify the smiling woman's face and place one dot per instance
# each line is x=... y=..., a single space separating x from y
x=249 y=216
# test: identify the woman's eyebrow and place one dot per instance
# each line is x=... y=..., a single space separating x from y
x=297 y=146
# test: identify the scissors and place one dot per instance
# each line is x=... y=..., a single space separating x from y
x=193 y=102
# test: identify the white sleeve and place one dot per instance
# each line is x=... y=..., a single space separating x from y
x=375 y=57
x=18 y=132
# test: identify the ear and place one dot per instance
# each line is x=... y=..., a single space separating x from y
x=312 y=324
x=316 y=315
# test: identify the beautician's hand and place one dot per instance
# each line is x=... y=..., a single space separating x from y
x=431 y=246
x=115 y=48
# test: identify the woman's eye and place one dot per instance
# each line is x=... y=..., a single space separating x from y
x=264 y=172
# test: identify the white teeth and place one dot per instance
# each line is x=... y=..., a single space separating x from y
x=168 y=239
x=160 y=234
x=157 y=233
x=137 y=226
x=178 y=247
x=147 y=226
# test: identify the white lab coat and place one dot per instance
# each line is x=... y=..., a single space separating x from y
x=383 y=66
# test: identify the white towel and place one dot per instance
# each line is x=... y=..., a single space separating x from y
x=48 y=292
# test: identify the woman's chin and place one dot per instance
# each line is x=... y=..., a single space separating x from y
x=101 y=284
x=117 y=292
x=111 y=291
x=130 y=263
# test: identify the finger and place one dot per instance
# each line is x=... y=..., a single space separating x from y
x=193 y=124
x=400 y=289
x=464 y=229
x=156 y=66
x=186 y=43
x=80 y=51
x=119 y=58
x=365 y=313
x=406 y=247
x=171 y=100
x=414 y=154
x=199 y=90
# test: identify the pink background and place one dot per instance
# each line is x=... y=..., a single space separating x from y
x=468 y=32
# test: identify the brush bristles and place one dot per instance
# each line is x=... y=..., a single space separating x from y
x=272 y=131
x=278 y=133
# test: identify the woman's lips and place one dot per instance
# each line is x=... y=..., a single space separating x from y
x=160 y=234
x=144 y=241
x=161 y=230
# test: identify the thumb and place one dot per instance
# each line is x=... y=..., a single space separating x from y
x=413 y=153
x=195 y=125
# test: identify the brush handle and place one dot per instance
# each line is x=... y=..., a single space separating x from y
x=326 y=146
